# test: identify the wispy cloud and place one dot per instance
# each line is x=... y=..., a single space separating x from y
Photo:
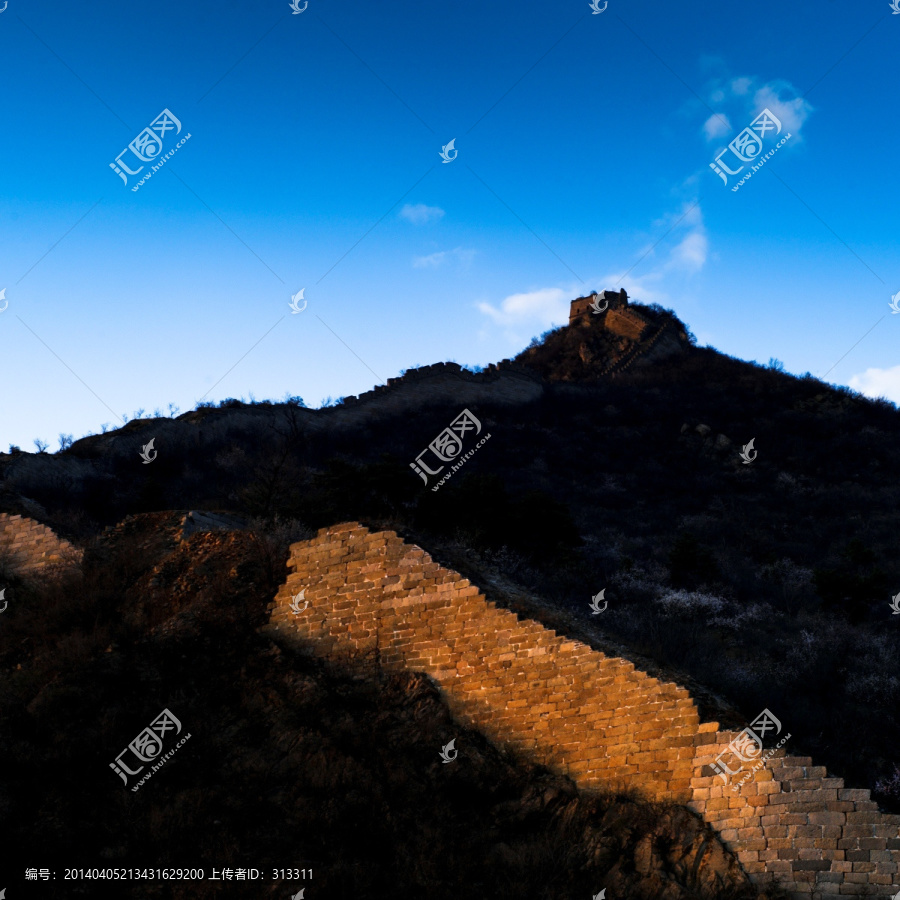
x=420 y=214
x=878 y=383
x=432 y=261
x=746 y=97
x=793 y=111
x=460 y=254
x=690 y=254
x=717 y=125
x=543 y=308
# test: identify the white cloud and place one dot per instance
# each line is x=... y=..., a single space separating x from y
x=429 y=262
x=463 y=256
x=792 y=112
x=744 y=94
x=420 y=214
x=717 y=125
x=691 y=253
x=878 y=383
x=544 y=307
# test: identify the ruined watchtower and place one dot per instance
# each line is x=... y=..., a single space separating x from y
x=611 y=310
x=584 y=308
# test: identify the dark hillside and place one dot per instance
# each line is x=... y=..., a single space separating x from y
x=288 y=765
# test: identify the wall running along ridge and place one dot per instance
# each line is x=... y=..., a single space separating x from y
x=31 y=547
x=375 y=601
x=506 y=383
x=626 y=322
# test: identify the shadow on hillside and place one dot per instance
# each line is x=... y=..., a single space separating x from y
x=289 y=765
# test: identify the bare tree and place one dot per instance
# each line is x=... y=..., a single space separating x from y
x=273 y=475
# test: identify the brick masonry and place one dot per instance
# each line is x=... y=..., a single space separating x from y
x=31 y=547
x=581 y=309
x=626 y=322
x=374 y=601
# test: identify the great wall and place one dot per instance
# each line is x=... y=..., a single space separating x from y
x=27 y=546
x=504 y=383
x=372 y=600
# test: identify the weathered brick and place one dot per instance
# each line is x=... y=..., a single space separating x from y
x=596 y=717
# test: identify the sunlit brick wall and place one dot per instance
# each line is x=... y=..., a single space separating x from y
x=626 y=323
x=371 y=600
x=30 y=547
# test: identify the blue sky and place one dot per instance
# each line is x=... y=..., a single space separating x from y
x=584 y=146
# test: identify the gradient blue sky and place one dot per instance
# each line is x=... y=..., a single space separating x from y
x=584 y=143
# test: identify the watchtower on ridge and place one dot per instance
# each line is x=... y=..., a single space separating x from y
x=584 y=307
